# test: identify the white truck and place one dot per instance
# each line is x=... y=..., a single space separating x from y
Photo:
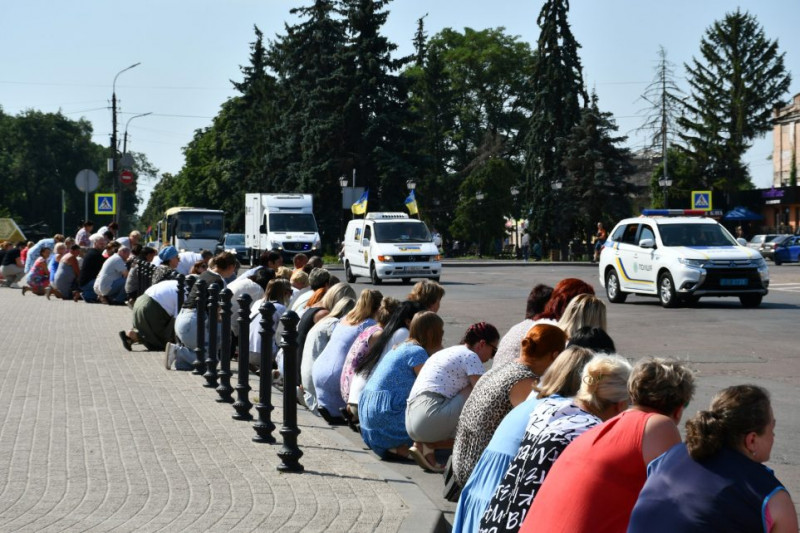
x=283 y=222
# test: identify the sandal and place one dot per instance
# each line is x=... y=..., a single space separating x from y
x=126 y=341
x=421 y=458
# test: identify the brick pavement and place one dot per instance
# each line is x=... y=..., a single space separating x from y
x=94 y=438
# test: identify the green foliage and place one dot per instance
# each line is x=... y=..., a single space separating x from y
x=484 y=220
x=40 y=155
x=685 y=175
x=738 y=80
x=558 y=94
x=595 y=189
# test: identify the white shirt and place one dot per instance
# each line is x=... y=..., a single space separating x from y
x=447 y=372
x=112 y=269
x=165 y=293
x=239 y=287
x=300 y=302
x=187 y=261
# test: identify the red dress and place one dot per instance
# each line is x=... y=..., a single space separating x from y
x=594 y=484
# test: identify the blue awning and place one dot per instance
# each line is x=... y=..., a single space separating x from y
x=742 y=214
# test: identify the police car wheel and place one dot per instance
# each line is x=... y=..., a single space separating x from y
x=666 y=291
x=613 y=290
x=750 y=300
x=406 y=281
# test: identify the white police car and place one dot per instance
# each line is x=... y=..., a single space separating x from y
x=680 y=259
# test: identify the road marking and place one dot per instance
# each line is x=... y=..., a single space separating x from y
x=785 y=287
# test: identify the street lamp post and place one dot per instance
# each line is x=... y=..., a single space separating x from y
x=515 y=195
x=124 y=153
x=113 y=165
x=665 y=183
x=479 y=196
x=343 y=185
x=557 y=186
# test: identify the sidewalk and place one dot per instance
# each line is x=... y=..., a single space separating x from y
x=95 y=438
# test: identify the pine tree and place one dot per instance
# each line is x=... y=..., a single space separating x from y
x=307 y=150
x=558 y=94
x=738 y=80
x=377 y=107
x=596 y=166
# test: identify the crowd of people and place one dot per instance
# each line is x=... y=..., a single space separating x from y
x=559 y=434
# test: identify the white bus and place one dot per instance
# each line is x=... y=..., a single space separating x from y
x=191 y=229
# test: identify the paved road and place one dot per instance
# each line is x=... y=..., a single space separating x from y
x=94 y=438
x=725 y=343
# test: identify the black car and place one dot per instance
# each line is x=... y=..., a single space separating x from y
x=234 y=243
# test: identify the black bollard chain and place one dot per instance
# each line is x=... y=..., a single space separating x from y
x=200 y=309
x=211 y=353
x=181 y=290
x=290 y=453
x=243 y=404
x=264 y=426
x=224 y=389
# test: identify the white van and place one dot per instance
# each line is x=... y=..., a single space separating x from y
x=390 y=246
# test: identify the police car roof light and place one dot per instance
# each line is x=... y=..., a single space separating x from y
x=376 y=216
x=674 y=212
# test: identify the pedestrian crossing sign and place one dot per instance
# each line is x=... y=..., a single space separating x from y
x=105 y=204
x=701 y=200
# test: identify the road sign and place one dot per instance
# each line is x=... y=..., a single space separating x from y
x=701 y=200
x=105 y=204
x=86 y=180
x=126 y=177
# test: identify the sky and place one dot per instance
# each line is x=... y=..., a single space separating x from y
x=64 y=56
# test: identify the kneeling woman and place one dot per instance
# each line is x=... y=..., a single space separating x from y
x=439 y=393
x=382 y=407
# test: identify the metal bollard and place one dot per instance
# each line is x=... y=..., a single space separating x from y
x=139 y=265
x=190 y=283
x=224 y=389
x=213 y=321
x=200 y=309
x=290 y=453
x=264 y=426
x=242 y=404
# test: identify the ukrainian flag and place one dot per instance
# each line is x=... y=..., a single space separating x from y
x=411 y=203
x=360 y=207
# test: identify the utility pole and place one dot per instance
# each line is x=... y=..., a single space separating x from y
x=114 y=158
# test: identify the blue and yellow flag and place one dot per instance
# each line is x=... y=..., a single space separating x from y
x=411 y=203
x=360 y=207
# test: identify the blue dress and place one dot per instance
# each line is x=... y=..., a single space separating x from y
x=327 y=370
x=382 y=408
x=492 y=466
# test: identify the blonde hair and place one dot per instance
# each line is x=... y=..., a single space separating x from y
x=661 y=384
x=604 y=382
x=368 y=302
x=584 y=310
x=60 y=248
x=427 y=293
x=563 y=377
x=284 y=272
x=336 y=293
x=300 y=277
x=342 y=307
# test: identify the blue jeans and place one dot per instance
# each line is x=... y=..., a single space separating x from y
x=117 y=293
x=88 y=294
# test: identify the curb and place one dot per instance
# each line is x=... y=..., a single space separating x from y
x=423 y=517
x=499 y=263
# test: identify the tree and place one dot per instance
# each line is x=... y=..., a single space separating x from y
x=596 y=166
x=376 y=110
x=40 y=155
x=665 y=99
x=738 y=80
x=557 y=96
x=471 y=100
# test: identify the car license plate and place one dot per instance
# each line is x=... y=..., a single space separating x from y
x=733 y=282
x=413 y=269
